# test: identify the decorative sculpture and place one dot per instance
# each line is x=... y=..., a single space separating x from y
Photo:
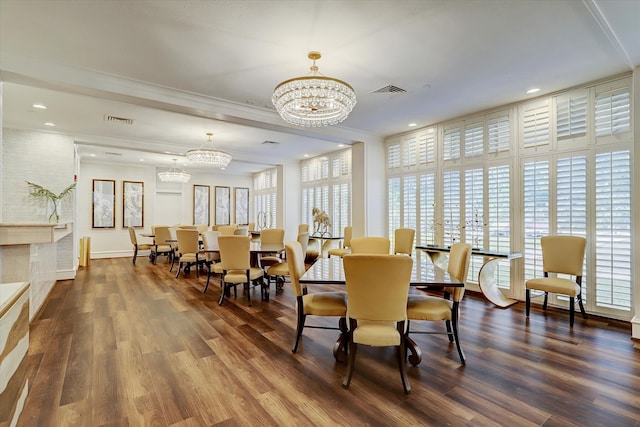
x=321 y=223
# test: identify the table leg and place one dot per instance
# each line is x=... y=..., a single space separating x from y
x=489 y=285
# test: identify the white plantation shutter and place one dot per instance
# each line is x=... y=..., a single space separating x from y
x=499 y=134
x=451 y=207
x=265 y=196
x=410 y=202
x=535 y=124
x=613 y=112
x=393 y=156
x=426 y=193
x=427 y=146
x=571 y=116
x=409 y=153
x=394 y=195
x=571 y=196
x=498 y=218
x=451 y=144
x=536 y=215
x=474 y=215
x=613 y=230
x=474 y=140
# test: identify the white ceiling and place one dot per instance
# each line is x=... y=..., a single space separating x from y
x=182 y=68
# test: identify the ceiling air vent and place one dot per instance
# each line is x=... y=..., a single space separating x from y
x=114 y=119
x=112 y=153
x=390 y=89
x=269 y=143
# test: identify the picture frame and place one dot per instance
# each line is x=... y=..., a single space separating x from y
x=201 y=203
x=223 y=201
x=132 y=204
x=241 y=205
x=103 y=202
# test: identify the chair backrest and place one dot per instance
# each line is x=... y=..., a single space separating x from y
x=241 y=231
x=303 y=228
x=162 y=235
x=370 y=245
x=252 y=226
x=187 y=227
x=227 y=230
x=303 y=239
x=210 y=239
x=458 y=267
x=295 y=262
x=235 y=252
x=187 y=241
x=132 y=236
x=377 y=286
x=346 y=238
x=153 y=228
x=403 y=240
x=563 y=254
x=202 y=227
x=272 y=236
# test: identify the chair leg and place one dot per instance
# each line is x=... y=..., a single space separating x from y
x=208 y=277
x=300 y=326
x=222 y=294
x=454 y=323
x=572 y=310
x=179 y=268
x=353 y=348
x=135 y=254
x=449 y=332
x=546 y=299
x=528 y=302
x=584 y=313
x=401 y=353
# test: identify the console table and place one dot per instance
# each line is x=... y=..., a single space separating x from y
x=486 y=277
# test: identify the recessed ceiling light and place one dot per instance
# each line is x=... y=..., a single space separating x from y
x=534 y=90
x=306 y=155
x=49 y=124
x=340 y=145
x=40 y=106
x=142 y=160
x=412 y=125
x=92 y=155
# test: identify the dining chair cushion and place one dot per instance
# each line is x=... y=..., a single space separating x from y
x=425 y=307
x=376 y=333
x=280 y=269
x=557 y=285
x=240 y=276
x=325 y=303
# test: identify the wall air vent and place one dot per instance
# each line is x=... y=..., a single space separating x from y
x=390 y=89
x=114 y=119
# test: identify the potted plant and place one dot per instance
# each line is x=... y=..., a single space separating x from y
x=39 y=191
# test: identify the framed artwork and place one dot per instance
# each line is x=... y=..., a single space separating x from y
x=242 y=205
x=201 y=204
x=223 y=200
x=132 y=204
x=102 y=208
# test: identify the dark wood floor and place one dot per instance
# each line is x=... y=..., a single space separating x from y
x=131 y=345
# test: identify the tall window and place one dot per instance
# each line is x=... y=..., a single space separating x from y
x=264 y=198
x=326 y=185
x=567 y=170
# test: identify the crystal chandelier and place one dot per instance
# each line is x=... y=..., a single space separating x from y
x=174 y=174
x=313 y=100
x=206 y=156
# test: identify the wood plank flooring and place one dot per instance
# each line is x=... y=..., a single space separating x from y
x=125 y=345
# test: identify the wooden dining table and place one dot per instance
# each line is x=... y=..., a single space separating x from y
x=424 y=275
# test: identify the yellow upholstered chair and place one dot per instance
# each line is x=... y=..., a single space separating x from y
x=186 y=227
x=188 y=247
x=235 y=255
x=161 y=245
x=281 y=269
x=227 y=230
x=370 y=245
x=403 y=241
x=212 y=259
x=303 y=228
x=314 y=304
x=241 y=231
x=252 y=226
x=202 y=228
x=439 y=308
x=271 y=236
x=346 y=244
x=137 y=246
x=377 y=290
x=560 y=255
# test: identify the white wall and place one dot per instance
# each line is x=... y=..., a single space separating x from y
x=162 y=202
